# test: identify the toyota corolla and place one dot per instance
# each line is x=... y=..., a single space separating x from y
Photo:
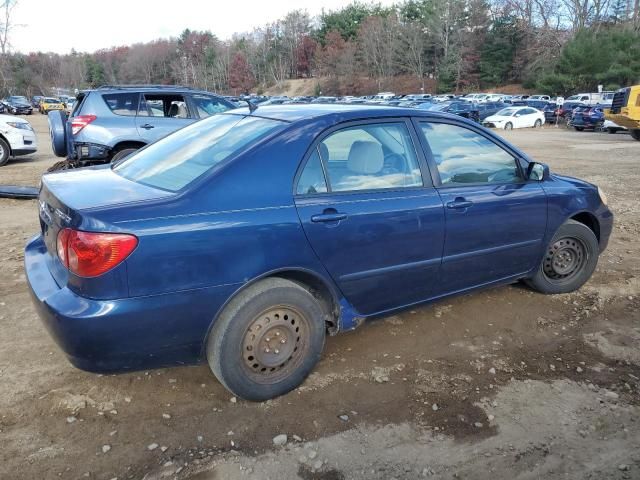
x=244 y=239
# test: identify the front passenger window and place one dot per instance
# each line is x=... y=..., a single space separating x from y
x=370 y=157
x=466 y=157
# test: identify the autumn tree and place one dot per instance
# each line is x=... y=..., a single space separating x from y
x=241 y=79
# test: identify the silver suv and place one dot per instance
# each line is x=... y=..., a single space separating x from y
x=110 y=122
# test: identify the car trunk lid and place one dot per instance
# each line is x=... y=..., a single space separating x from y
x=67 y=198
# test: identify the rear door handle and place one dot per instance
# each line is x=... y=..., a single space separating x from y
x=146 y=126
x=329 y=217
x=459 y=203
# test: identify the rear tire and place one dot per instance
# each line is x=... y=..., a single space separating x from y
x=569 y=260
x=635 y=134
x=123 y=153
x=579 y=129
x=5 y=152
x=611 y=130
x=537 y=124
x=267 y=339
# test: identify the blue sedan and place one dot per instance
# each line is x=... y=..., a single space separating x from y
x=244 y=239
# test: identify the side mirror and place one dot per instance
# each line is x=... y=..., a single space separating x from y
x=517 y=115
x=537 y=171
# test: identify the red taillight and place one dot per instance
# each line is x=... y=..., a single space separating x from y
x=81 y=121
x=89 y=254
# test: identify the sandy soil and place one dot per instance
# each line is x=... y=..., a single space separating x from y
x=503 y=384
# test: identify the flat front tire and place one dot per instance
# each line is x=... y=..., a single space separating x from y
x=569 y=260
x=267 y=339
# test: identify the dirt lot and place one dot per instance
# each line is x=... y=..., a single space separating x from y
x=503 y=384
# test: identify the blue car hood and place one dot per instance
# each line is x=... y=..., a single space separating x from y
x=92 y=187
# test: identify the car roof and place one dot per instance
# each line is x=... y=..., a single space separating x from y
x=294 y=113
x=147 y=88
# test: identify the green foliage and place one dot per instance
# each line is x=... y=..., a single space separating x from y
x=95 y=75
x=347 y=20
x=610 y=57
x=498 y=51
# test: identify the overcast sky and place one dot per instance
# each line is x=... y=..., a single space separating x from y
x=47 y=25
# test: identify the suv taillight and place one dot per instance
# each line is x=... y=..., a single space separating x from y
x=89 y=254
x=81 y=121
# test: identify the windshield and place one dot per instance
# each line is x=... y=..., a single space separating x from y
x=52 y=100
x=178 y=159
x=18 y=99
x=506 y=112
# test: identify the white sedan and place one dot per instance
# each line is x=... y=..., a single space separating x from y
x=515 y=117
x=16 y=138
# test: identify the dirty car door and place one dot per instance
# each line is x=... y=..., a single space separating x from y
x=371 y=216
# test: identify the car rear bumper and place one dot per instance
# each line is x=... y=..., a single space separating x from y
x=121 y=334
x=90 y=151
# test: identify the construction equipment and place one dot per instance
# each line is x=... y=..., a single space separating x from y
x=625 y=110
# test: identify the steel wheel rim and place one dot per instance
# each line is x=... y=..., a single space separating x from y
x=274 y=344
x=564 y=259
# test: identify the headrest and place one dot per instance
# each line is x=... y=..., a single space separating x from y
x=365 y=158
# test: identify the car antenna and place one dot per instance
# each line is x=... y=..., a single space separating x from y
x=252 y=106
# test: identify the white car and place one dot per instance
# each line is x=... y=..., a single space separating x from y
x=16 y=138
x=515 y=117
x=612 y=127
x=543 y=98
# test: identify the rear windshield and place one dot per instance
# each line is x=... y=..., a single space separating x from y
x=178 y=159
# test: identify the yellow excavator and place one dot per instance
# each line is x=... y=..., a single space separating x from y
x=625 y=110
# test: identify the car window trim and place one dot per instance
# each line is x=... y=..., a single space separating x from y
x=420 y=157
x=433 y=167
x=102 y=96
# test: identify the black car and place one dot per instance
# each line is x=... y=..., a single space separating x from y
x=464 y=109
x=567 y=108
x=490 y=108
x=537 y=104
x=35 y=101
x=18 y=105
x=551 y=113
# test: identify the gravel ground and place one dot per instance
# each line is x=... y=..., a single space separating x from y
x=505 y=383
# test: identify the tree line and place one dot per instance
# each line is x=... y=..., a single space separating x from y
x=554 y=46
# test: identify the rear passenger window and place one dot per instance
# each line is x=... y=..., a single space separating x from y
x=312 y=179
x=372 y=156
x=465 y=157
x=172 y=106
x=122 y=103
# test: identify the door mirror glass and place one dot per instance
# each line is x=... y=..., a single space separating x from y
x=537 y=171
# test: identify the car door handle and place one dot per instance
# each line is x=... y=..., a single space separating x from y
x=459 y=203
x=146 y=126
x=328 y=217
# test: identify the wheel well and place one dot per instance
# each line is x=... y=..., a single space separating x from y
x=319 y=290
x=590 y=221
x=122 y=145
